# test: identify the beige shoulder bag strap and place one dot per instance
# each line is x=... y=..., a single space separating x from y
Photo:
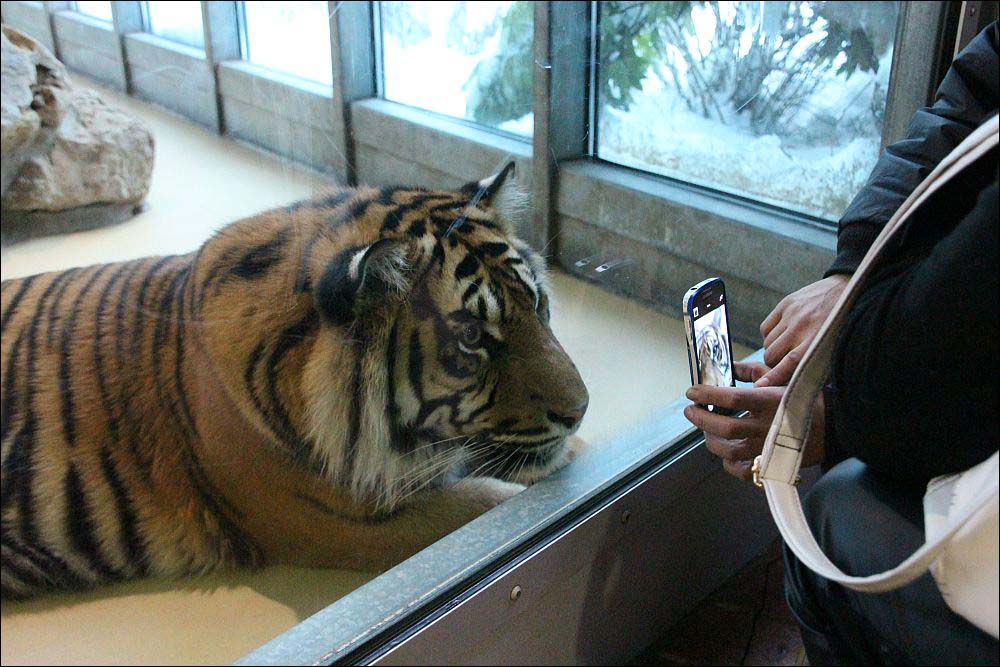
x=971 y=502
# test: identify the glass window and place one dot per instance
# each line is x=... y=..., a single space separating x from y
x=99 y=10
x=779 y=101
x=480 y=55
x=292 y=37
x=178 y=21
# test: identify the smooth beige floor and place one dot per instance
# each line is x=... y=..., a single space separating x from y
x=632 y=359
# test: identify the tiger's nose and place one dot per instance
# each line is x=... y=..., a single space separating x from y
x=568 y=418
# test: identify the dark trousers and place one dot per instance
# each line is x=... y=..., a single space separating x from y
x=866 y=524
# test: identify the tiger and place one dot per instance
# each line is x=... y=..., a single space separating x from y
x=336 y=383
x=714 y=364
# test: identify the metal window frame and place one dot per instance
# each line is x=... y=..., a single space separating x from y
x=147 y=23
x=241 y=28
x=353 y=53
x=924 y=48
x=75 y=6
x=973 y=18
x=245 y=46
x=378 y=38
x=921 y=27
x=562 y=104
x=127 y=18
x=221 y=36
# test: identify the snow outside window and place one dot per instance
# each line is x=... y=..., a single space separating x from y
x=292 y=37
x=470 y=60
x=99 y=10
x=176 y=20
x=779 y=101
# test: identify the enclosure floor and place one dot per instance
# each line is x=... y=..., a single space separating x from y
x=745 y=622
x=632 y=359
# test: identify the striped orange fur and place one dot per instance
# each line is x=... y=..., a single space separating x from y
x=303 y=389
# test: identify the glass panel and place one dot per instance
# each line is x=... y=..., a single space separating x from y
x=99 y=10
x=779 y=101
x=479 y=54
x=177 y=20
x=292 y=37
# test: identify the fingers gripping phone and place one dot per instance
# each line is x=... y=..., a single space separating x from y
x=706 y=324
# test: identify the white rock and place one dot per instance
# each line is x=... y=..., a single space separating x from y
x=100 y=155
x=33 y=88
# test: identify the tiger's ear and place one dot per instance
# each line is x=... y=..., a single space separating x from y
x=485 y=191
x=499 y=192
x=358 y=276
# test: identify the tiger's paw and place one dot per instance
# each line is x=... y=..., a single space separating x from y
x=575 y=446
x=487 y=492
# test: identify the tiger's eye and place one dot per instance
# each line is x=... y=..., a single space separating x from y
x=472 y=334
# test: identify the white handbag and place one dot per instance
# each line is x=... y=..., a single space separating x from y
x=960 y=511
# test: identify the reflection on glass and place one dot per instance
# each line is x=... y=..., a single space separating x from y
x=99 y=10
x=177 y=20
x=293 y=37
x=465 y=59
x=780 y=101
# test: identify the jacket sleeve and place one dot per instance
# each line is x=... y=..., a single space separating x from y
x=913 y=382
x=967 y=96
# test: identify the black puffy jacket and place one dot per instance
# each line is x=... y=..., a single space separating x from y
x=969 y=94
x=913 y=388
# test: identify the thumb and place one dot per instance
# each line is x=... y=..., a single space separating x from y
x=750 y=371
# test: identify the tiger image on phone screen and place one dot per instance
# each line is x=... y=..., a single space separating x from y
x=712 y=341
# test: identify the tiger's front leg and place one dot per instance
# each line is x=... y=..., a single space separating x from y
x=380 y=542
x=435 y=514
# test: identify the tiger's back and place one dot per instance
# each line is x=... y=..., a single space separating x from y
x=92 y=358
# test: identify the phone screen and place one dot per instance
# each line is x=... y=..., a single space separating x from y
x=711 y=336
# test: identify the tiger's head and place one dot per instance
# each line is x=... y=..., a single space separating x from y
x=434 y=351
x=713 y=354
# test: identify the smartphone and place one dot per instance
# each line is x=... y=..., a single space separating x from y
x=706 y=324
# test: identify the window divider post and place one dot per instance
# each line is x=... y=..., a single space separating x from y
x=220 y=23
x=126 y=18
x=50 y=11
x=352 y=51
x=561 y=75
x=922 y=52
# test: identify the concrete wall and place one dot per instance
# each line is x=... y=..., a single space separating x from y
x=396 y=144
x=89 y=46
x=172 y=75
x=289 y=116
x=671 y=236
x=31 y=19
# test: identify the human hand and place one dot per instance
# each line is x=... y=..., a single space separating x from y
x=738 y=440
x=793 y=324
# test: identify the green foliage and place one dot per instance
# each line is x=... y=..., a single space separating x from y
x=398 y=19
x=630 y=43
x=468 y=39
x=500 y=87
x=763 y=60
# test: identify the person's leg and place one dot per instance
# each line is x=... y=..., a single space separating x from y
x=866 y=524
